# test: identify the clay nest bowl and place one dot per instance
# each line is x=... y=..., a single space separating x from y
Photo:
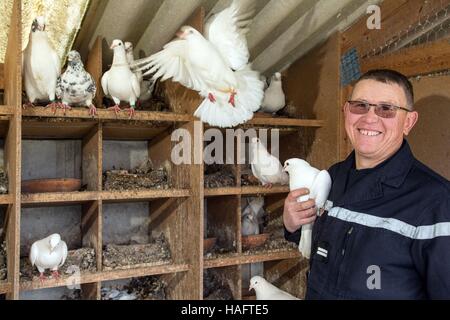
x=254 y=241
x=208 y=244
x=51 y=185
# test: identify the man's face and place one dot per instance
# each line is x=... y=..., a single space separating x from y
x=375 y=138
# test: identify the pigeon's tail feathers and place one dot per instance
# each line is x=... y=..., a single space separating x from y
x=64 y=253
x=250 y=91
x=33 y=254
x=222 y=114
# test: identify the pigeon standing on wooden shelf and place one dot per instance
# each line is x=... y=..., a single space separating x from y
x=76 y=87
x=249 y=222
x=267 y=291
x=48 y=253
x=303 y=175
x=41 y=66
x=145 y=85
x=214 y=64
x=119 y=81
x=274 y=98
x=266 y=167
x=257 y=205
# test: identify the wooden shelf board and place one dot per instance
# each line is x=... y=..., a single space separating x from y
x=104 y=114
x=133 y=195
x=135 y=131
x=251 y=258
x=48 y=128
x=247 y=190
x=7 y=110
x=59 y=197
x=6 y=199
x=285 y=122
x=90 y=277
x=5 y=287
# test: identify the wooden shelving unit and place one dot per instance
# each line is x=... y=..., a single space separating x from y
x=179 y=210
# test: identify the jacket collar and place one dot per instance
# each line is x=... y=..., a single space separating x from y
x=391 y=172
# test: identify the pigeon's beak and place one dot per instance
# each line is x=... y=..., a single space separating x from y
x=285 y=167
x=180 y=34
x=113 y=46
x=251 y=287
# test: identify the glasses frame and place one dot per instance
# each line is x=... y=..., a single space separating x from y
x=377 y=105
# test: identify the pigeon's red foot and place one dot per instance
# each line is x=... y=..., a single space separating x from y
x=116 y=109
x=28 y=105
x=131 y=112
x=41 y=277
x=268 y=186
x=56 y=274
x=92 y=110
x=232 y=100
x=53 y=106
x=65 y=107
x=211 y=97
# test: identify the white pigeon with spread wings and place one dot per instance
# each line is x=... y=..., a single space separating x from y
x=267 y=291
x=265 y=166
x=41 y=66
x=48 y=253
x=215 y=65
x=303 y=175
x=119 y=81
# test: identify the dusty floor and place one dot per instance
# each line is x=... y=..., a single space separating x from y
x=215 y=286
x=219 y=175
x=83 y=258
x=145 y=288
x=142 y=177
x=122 y=256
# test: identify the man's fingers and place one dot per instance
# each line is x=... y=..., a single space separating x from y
x=305 y=205
x=294 y=194
x=308 y=220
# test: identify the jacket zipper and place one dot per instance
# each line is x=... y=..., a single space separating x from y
x=342 y=267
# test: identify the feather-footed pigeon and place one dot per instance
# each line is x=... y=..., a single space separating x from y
x=274 y=98
x=303 y=175
x=76 y=87
x=48 y=253
x=267 y=291
x=215 y=65
x=41 y=66
x=119 y=81
x=266 y=167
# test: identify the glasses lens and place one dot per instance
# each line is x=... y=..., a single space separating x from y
x=385 y=111
x=358 y=107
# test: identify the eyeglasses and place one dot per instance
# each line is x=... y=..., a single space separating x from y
x=383 y=110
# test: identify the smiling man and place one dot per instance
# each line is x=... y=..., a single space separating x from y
x=385 y=233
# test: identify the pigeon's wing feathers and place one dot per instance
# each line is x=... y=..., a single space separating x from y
x=34 y=252
x=135 y=85
x=105 y=83
x=63 y=253
x=321 y=188
x=226 y=31
x=56 y=62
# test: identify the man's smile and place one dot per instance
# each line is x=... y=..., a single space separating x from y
x=370 y=133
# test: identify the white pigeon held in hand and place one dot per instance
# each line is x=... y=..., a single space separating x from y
x=303 y=175
x=267 y=291
x=214 y=64
x=119 y=81
x=76 y=87
x=41 y=66
x=274 y=98
x=48 y=253
x=266 y=167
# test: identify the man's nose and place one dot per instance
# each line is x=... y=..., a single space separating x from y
x=370 y=116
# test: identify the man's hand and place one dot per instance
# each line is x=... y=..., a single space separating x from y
x=295 y=213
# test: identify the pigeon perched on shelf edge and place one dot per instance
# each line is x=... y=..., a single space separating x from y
x=75 y=86
x=119 y=81
x=303 y=175
x=274 y=97
x=48 y=253
x=215 y=65
x=41 y=66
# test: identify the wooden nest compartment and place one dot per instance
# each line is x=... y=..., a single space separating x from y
x=83 y=260
x=254 y=241
x=219 y=176
x=208 y=244
x=247 y=177
x=144 y=288
x=215 y=286
x=137 y=255
x=3 y=266
x=51 y=185
x=3 y=182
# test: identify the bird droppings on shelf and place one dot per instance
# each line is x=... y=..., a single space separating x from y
x=3 y=182
x=154 y=253
x=215 y=286
x=142 y=177
x=79 y=260
x=3 y=266
x=144 y=288
x=218 y=176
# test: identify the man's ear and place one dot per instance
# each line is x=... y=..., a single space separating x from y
x=410 y=121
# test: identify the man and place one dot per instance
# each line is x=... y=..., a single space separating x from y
x=386 y=234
